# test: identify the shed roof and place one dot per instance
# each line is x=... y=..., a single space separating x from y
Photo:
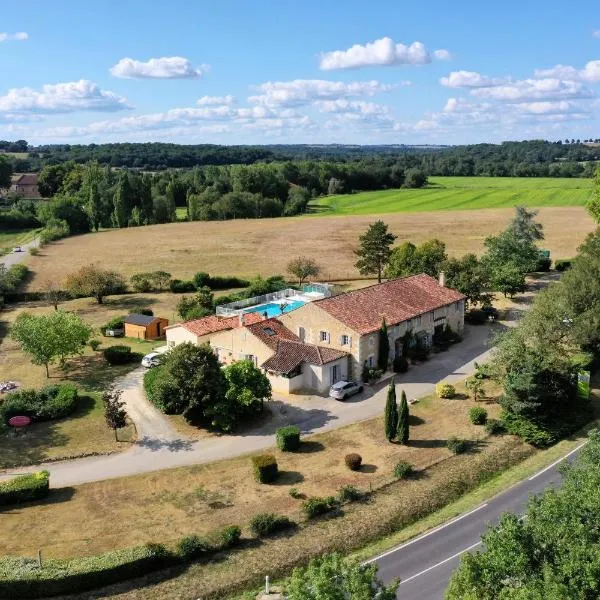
x=135 y=319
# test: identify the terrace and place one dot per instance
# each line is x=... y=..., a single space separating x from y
x=277 y=303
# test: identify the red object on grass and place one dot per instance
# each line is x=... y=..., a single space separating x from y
x=19 y=421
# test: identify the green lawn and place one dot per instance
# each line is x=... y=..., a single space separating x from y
x=458 y=193
x=9 y=239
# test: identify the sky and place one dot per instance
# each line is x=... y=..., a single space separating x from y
x=277 y=71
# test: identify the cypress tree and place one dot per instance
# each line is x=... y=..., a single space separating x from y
x=384 y=347
x=391 y=412
x=402 y=431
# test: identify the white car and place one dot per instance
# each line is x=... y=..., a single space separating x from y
x=151 y=360
x=18 y=249
x=344 y=389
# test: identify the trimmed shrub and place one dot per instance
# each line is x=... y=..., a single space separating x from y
x=288 y=438
x=265 y=468
x=494 y=427
x=350 y=493
x=266 y=524
x=229 y=537
x=403 y=470
x=478 y=415
x=563 y=264
x=476 y=316
x=119 y=355
x=400 y=364
x=25 y=488
x=192 y=546
x=445 y=390
x=21 y=577
x=95 y=344
x=457 y=445
x=353 y=461
x=177 y=286
x=34 y=251
x=317 y=506
x=48 y=404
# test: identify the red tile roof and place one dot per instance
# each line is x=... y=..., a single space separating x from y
x=25 y=179
x=213 y=323
x=271 y=332
x=290 y=354
x=397 y=300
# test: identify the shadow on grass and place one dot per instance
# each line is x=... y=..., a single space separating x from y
x=129 y=302
x=427 y=443
x=94 y=373
x=309 y=447
x=367 y=468
x=55 y=497
x=414 y=420
x=289 y=478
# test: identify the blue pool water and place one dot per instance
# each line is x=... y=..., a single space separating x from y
x=273 y=309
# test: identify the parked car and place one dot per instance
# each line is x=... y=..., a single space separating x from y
x=151 y=360
x=491 y=312
x=344 y=389
x=18 y=249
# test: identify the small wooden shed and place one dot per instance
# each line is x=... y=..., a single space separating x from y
x=145 y=327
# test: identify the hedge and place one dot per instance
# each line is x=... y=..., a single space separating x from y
x=177 y=286
x=316 y=506
x=119 y=355
x=288 y=438
x=48 y=404
x=202 y=279
x=22 y=578
x=266 y=524
x=25 y=488
x=265 y=468
x=563 y=264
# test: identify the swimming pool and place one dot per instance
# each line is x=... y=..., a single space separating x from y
x=273 y=309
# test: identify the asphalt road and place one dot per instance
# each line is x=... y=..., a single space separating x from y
x=426 y=563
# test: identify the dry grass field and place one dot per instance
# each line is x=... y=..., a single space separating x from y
x=250 y=247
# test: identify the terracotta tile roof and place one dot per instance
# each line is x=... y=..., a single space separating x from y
x=290 y=354
x=272 y=331
x=25 y=179
x=213 y=323
x=397 y=300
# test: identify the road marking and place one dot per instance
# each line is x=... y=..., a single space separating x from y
x=557 y=461
x=422 y=537
x=440 y=563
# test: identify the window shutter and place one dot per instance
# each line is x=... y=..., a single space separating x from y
x=328 y=337
x=350 y=341
x=341 y=340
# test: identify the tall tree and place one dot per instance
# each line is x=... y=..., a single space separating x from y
x=593 y=204
x=115 y=414
x=402 y=428
x=525 y=226
x=391 y=412
x=92 y=178
x=48 y=338
x=248 y=387
x=374 y=250
x=302 y=268
x=95 y=282
x=5 y=172
x=384 y=347
x=121 y=201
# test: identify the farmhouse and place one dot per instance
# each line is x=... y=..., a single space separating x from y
x=414 y=308
x=25 y=185
x=144 y=327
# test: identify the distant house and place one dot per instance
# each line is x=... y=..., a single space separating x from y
x=25 y=185
x=145 y=327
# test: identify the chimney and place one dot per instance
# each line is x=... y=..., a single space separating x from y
x=442 y=281
x=242 y=317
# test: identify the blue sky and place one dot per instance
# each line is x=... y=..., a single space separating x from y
x=263 y=71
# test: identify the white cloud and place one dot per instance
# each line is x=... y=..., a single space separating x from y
x=306 y=91
x=442 y=54
x=534 y=89
x=590 y=73
x=469 y=79
x=216 y=100
x=382 y=52
x=351 y=106
x=167 y=67
x=596 y=33
x=62 y=98
x=20 y=36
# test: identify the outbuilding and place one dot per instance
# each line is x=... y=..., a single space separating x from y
x=145 y=327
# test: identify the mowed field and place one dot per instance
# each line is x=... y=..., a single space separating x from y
x=463 y=193
x=250 y=247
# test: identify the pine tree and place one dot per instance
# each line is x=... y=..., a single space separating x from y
x=391 y=412
x=374 y=251
x=384 y=347
x=402 y=430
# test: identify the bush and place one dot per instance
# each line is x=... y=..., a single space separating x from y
x=146 y=311
x=266 y=524
x=494 y=427
x=457 y=445
x=400 y=364
x=543 y=265
x=192 y=546
x=350 y=493
x=288 y=438
x=317 y=506
x=119 y=355
x=177 y=286
x=296 y=494
x=114 y=323
x=230 y=536
x=445 y=390
x=530 y=432
x=476 y=316
x=563 y=264
x=201 y=279
x=403 y=470
x=478 y=415
x=48 y=404
x=20 y=577
x=265 y=468
x=224 y=283
x=95 y=344
x=34 y=251
x=353 y=461
x=25 y=488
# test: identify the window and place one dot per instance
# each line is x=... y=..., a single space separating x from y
x=301 y=333
x=345 y=340
x=371 y=361
x=323 y=336
x=249 y=357
x=269 y=331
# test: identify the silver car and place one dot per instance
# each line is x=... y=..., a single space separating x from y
x=344 y=389
x=151 y=360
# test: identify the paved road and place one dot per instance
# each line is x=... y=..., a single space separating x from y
x=13 y=258
x=160 y=447
x=426 y=563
